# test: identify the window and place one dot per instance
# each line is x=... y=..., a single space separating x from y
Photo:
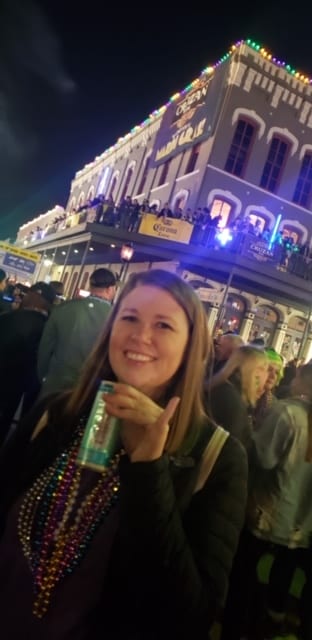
x=72 y=285
x=103 y=181
x=221 y=208
x=240 y=148
x=193 y=158
x=144 y=175
x=180 y=199
x=113 y=186
x=126 y=185
x=164 y=173
x=85 y=280
x=303 y=189
x=90 y=195
x=274 y=165
x=292 y=232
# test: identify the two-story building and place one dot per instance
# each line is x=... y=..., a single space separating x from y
x=231 y=156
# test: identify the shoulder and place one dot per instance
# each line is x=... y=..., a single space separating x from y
x=232 y=455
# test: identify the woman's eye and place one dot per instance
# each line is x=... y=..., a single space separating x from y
x=129 y=318
x=164 y=325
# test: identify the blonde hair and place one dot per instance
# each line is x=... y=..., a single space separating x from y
x=186 y=383
x=243 y=360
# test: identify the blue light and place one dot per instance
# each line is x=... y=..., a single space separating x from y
x=274 y=232
x=224 y=236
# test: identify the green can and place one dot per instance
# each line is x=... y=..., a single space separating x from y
x=101 y=439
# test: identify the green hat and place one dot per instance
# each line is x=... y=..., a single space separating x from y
x=276 y=358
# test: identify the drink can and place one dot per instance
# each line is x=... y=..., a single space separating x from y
x=101 y=439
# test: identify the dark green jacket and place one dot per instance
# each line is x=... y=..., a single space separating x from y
x=172 y=556
x=67 y=340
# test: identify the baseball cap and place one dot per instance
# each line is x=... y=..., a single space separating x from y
x=44 y=290
x=103 y=278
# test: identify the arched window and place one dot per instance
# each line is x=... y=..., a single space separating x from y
x=64 y=280
x=303 y=190
x=71 y=290
x=240 y=149
x=193 y=158
x=103 y=181
x=164 y=173
x=235 y=308
x=180 y=199
x=81 y=199
x=113 y=184
x=72 y=204
x=293 y=338
x=222 y=208
x=85 y=280
x=275 y=163
x=264 y=324
x=91 y=192
x=144 y=174
x=129 y=175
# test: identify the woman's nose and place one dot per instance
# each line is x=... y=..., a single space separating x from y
x=142 y=333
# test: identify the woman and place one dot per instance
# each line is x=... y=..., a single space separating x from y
x=232 y=394
x=131 y=553
x=275 y=374
x=279 y=515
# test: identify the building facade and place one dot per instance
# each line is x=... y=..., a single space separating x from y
x=237 y=143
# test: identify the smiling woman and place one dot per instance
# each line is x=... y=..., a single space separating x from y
x=150 y=540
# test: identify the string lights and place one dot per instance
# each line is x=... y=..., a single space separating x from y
x=207 y=71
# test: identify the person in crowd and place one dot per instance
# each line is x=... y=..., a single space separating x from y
x=71 y=333
x=20 y=333
x=224 y=345
x=275 y=374
x=231 y=394
x=283 y=388
x=18 y=292
x=5 y=304
x=134 y=551
x=58 y=287
x=279 y=516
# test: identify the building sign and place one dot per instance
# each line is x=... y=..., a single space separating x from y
x=214 y=296
x=18 y=259
x=185 y=122
x=171 y=229
x=259 y=250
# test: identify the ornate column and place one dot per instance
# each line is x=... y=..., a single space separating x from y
x=246 y=325
x=279 y=336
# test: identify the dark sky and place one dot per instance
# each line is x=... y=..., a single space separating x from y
x=73 y=80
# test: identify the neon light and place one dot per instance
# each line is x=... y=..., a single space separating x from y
x=274 y=232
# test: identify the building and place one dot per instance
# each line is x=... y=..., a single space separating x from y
x=237 y=140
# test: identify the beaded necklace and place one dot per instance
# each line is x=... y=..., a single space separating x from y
x=55 y=530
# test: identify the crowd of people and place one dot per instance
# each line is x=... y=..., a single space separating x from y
x=210 y=473
x=282 y=249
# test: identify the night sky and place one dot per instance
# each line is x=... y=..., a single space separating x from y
x=73 y=80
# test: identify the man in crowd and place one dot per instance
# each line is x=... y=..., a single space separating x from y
x=20 y=333
x=224 y=347
x=71 y=333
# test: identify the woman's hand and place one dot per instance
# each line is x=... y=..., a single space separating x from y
x=145 y=425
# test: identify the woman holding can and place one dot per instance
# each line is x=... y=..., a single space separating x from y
x=131 y=550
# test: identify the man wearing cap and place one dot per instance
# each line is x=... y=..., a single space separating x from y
x=71 y=333
x=20 y=333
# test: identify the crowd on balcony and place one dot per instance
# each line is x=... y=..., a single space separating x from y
x=208 y=231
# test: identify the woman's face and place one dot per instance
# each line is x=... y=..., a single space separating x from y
x=273 y=375
x=148 y=339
